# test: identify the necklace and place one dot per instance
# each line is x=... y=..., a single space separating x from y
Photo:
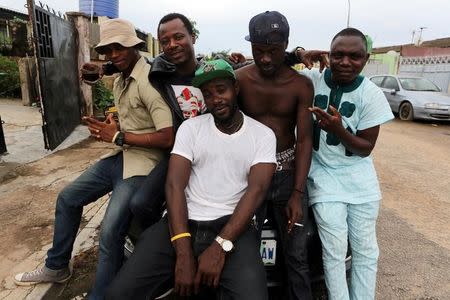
x=233 y=127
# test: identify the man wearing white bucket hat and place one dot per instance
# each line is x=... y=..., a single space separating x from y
x=144 y=135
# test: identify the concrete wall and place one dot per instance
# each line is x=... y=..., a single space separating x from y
x=409 y=51
x=429 y=62
x=435 y=68
x=28 y=84
x=81 y=22
x=385 y=63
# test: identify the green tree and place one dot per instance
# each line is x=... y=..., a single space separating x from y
x=220 y=54
x=9 y=77
x=103 y=97
x=194 y=28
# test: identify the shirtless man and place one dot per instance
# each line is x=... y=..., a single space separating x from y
x=279 y=97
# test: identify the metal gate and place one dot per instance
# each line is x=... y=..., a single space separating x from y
x=59 y=92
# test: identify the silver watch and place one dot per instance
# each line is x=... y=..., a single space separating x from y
x=226 y=245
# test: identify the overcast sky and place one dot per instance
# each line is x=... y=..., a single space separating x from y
x=223 y=24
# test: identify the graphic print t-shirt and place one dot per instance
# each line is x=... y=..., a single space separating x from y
x=190 y=99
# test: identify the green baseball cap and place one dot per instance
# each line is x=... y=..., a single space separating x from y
x=212 y=69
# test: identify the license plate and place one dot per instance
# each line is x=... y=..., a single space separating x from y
x=268 y=252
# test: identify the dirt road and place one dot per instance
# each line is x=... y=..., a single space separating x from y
x=27 y=203
x=413 y=164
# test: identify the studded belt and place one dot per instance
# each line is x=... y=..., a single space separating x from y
x=286 y=159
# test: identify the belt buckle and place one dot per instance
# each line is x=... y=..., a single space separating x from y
x=279 y=166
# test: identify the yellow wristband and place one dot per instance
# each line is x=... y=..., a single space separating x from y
x=179 y=236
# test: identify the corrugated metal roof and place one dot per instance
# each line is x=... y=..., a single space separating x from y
x=5 y=10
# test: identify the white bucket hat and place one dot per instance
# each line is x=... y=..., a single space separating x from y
x=118 y=31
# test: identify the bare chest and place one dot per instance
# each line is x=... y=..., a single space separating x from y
x=269 y=102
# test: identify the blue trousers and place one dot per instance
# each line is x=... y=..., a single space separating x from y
x=147 y=203
x=337 y=223
x=103 y=177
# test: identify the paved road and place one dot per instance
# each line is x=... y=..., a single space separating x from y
x=413 y=164
x=23 y=133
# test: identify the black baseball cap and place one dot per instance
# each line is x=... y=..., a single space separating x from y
x=269 y=27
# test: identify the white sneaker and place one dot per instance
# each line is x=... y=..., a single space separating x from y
x=42 y=274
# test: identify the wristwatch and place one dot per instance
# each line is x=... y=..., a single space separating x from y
x=120 y=139
x=226 y=245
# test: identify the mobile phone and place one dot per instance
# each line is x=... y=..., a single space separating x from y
x=109 y=68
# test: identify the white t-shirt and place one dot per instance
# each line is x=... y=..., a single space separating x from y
x=220 y=163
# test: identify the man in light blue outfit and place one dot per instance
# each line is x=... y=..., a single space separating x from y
x=342 y=183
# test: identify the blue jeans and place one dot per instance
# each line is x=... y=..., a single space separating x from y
x=147 y=203
x=149 y=271
x=293 y=244
x=337 y=223
x=101 y=178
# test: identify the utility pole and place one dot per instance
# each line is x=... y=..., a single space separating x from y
x=412 y=38
x=420 y=36
x=348 y=14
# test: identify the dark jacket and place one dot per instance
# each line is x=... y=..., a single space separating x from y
x=159 y=76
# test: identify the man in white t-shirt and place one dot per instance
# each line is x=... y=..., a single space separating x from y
x=219 y=171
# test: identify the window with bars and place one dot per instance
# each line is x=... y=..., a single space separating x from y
x=44 y=34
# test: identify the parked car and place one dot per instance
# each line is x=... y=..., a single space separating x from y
x=414 y=97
